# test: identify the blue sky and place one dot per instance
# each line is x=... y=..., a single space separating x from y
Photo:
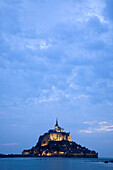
x=56 y=60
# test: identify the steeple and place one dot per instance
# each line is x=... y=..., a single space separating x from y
x=57 y=128
x=56 y=122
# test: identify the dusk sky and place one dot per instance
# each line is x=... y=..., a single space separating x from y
x=56 y=60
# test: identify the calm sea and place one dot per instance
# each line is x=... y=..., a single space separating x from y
x=53 y=164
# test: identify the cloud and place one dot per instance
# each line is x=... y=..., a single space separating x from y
x=105 y=129
x=22 y=43
x=98 y=127
x=81 y=11
x=86 y=131
x=104 y=122
x=44 y=45
x=90 y=123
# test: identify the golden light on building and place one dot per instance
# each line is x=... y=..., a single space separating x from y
x=57 y=142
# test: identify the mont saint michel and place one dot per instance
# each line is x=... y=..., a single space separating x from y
x=57 y=143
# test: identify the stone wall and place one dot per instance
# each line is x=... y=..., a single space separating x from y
x=56 y=136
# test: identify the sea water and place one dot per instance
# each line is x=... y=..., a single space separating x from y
x=54 y=164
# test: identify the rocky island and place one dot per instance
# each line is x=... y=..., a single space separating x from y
x=57 y=143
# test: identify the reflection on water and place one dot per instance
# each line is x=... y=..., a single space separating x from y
x=53 y=164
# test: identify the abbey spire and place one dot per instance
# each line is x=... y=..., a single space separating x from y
x=56 y=122
x=57 y=127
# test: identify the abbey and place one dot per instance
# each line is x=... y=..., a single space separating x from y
x=57 y=142
x=57 y=134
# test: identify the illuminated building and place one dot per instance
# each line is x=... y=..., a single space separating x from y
x=57 y=134
x=57 y=142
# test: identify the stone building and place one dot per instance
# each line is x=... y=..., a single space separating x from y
x=57 y=134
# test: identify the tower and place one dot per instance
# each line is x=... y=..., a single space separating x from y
x=56 y=122
x=57 y=128
x=56 y=125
